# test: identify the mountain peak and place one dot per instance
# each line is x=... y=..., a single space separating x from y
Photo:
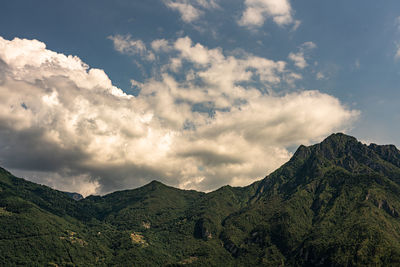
x=154 y=186
x=155 y=182
x=333 y=146
x=346 y=152
x=337 y=146
x=339 y=138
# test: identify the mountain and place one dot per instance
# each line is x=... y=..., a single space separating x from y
x=336 y=203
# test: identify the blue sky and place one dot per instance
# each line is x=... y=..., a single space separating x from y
x=344 y=51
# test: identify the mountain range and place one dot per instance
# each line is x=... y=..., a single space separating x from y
x=336 y=203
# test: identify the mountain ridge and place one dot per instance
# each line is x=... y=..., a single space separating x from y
x=333 y=203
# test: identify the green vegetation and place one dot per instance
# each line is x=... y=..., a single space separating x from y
x=336 y=203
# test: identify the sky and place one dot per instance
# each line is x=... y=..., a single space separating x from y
x=98 y=96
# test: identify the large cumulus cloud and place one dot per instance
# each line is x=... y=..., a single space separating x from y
x=208 y=118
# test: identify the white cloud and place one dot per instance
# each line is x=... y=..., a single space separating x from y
x=397 y=55
x=257 y=11
x=296 y=25
x=208 y=125
x=188 y=12
x=191 y=10
x=320 y=76
x=397 y=23
x=161 y=45
x=299 y=58
x=208 y=4
x=126 y=45
x=308 y=46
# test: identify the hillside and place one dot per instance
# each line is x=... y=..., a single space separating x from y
x=336 y=203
